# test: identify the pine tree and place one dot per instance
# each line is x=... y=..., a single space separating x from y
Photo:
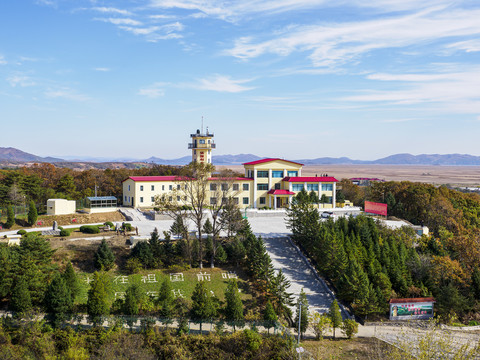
x=269 y=316
x=32 y=213
x=335 y=316
x=10 y=217
x=165 y=299
x=130 y=303
x=207 y=227
x=104 y=258
x=58 y=300
x=281 y=299
x=203 y=307
x=233 y=305
x=97 y=302
x=71 y=280
x=236 y=252
x=221 y=255
x=20 y=300
x=302 y=299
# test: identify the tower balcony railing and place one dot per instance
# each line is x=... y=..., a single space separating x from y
x=202 y=146
x=202 y=135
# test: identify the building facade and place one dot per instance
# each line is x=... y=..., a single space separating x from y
x=266 y=183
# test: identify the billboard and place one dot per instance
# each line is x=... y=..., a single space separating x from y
x=376 y=208
x=409 y=311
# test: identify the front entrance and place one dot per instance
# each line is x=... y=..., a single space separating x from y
x=279 y=202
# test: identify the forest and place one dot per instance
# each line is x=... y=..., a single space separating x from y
x=369 y=264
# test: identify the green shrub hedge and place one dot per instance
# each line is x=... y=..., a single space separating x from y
x=21 y=232
x=89 y=229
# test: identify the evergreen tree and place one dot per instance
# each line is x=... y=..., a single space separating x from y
x=10 y=217
x=335 y=316
x=281 y=299
x=165 y=299
x=97 y=302
x=178 y=227
x=476 y=283
x=143 y=252
x=130 y=303
x=269 y=316
x=20 y=301
x=302 y=299
x=236 y=252
x=233 y=306
x=207 y=227
x=104 y=258
x=156 y=248
x=203 y=307
x=32 y=213
x=58 y=300
x=221 y=255
x=71 y=280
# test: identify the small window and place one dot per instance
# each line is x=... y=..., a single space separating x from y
x=186 y=187
x=201 y=141
x=213 y=187
x=153 y=199
x=141 y=187
x=263 y=200
x=170 y=198
x=178 y=187
x=235 y=187
x=163 y=187
x=170 y=187
x=262 y=174
x=277 y=174
x=125 y=197
x=213 y=201
x=224 y=187
x=311 y=187
x=141 y=199
x=245 y=201
x=327 y=187
x=235 y=200
x=262 y=186
x=245 y=187
x=293 y=173
x=178 y=198
x=297 y=187
x=128 y=187
x=153 y=187
x=277 y=186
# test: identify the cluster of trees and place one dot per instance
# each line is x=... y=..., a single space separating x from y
x=41 y=182
x=368 y=264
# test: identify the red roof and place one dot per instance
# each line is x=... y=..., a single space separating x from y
x=227 y=178
x=269 y=160
x=412 y=300
x=280 y=192
x=153 y=178
x=310 y=179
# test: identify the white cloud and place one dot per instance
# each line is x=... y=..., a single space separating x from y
x=2 y=60
x=332 y=44
x=102 y=69
x=123 y=21
x=154 y=91
x=65 y=93
x=155 y=33
x=222 y=83
x=20 y=81
x=467 y=46
x=111 y=10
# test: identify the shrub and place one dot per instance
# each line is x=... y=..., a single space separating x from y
x=350 y=328
x=127 y=226
x=64 y=233
x=10 y=217
x=133 y=265
x=21 y=232
x=109 y=223
x=89 y=229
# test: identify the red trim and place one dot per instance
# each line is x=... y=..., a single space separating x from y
x=269 y=160
x=317 y=179
x=280 y=192
x=227 y=178
x=153 y=178
x=412 y=300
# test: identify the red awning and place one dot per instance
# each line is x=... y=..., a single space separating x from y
x=280 y=192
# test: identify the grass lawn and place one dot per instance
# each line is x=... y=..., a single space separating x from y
x=356 y=348
x=150 y=281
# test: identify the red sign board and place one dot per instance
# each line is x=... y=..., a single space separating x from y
x=376 y=208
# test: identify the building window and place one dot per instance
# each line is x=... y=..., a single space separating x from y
x=125 y=198
x=170 y=187
x=262 y=174
x=293 y=173
x=141 y=199
x=186 y=187
x=235 y=187
x=245 y=187
x=141 y=187
x=170 y=198
x=213 y=187
x=153 y=187
x=224 y=187
x=153 y=199
x=249 y=173
x=313 y=187
x=128 y=187
x=178 y=187
x=178 y=198
x=163 y=187
x=327 y=187
x=263 y=200
x=245 y=201
x=201 y=141
x=213 y=201
x=297 y=187
x=277 y=186
x=235 y=200
x=224 y=200
x=277 y=174
x=262 y=186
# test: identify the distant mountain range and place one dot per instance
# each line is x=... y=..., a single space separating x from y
x=17 y=156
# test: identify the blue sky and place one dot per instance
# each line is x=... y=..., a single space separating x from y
x=284 y=78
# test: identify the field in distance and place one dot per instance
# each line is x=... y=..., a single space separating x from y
x=453 y=175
